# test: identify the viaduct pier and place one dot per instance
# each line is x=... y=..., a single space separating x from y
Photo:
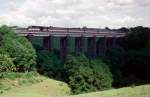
x=99 y=40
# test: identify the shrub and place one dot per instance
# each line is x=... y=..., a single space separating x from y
x=115 y=58
x=6 y=63
x=138 y=53
x=137 y=63
x=85 y=76
x=137 y=38
x=19 y=49
x=49 y=64
x=103 y=76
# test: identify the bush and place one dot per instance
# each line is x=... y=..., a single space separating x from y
x=84 y=75
x=49 y=64
x=6 y=63
x=103 y=76
x=137 y=63
x=115 y=58
x=138 y=53
x=19 y=49
x=137 y=38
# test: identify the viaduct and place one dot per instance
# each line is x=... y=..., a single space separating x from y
x=99 y=40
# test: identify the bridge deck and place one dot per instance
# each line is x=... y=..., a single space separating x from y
x=70 y=33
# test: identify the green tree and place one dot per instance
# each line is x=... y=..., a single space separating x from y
x=84 y=75
x=137 y=38
x=136 y=63
x=6 y=62
x=115 y=58
x=19 y=49
x=49 y=64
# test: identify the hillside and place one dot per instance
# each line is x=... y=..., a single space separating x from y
x=138 y=91
x=38 y=86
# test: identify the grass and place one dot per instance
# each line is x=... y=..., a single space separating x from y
x=31 y=85
x=137 y=91
x=35 y=85
x=17 y=79
x=47 y=88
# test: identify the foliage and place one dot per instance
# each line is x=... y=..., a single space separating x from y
x=49 y=64
x=103 y=76
x=138 y=53
x=137 y=38
x=6 y=63
x=19 y=49
x=115 y=58
x=137 y=63
x=84 y=75
x=123 y=29
x=130 y=63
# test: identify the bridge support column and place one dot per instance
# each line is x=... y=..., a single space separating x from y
x=29 y=37
x=111 y=42
x=105 y=44
x=114 y=42
x=120 y=41
x=47 y=43
x=101 y=46
x=78 y=45
x=63 y=47
x=92 y=47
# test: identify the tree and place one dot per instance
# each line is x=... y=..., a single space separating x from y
x=137 y=61
x=115 y=58
x=49 y=64
x=123 y=29
x=137 y=38
x=19 y=49
x=84 y=75
x=6 y=62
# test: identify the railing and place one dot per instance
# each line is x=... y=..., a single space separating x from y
x=71 y=33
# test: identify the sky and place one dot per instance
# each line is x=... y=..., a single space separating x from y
x=75 y=13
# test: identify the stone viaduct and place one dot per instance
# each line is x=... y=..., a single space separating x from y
x=106 y=38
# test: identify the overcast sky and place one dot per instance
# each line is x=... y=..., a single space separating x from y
x=75 y=13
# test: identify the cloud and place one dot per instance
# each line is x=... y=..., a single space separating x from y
x=75 y=13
